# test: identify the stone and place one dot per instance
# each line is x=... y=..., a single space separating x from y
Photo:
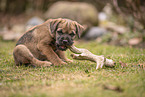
x=18 y=30
x=115 y=28
x=11 y=36
x=14 y=33
x=94 y=33
x=33 y=22
x=84 y=13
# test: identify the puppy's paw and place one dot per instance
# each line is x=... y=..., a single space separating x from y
x=59 y=64
x=46 y=64
x=41 y=63
x=69 y=61
x=63 y=63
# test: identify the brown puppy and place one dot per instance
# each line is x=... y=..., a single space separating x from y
x=46 y=42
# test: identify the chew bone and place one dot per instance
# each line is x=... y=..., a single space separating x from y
x=84 y=54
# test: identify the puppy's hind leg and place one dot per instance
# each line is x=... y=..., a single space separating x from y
x=22 y=55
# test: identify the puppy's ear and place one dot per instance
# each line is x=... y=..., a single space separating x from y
x=54 y=24
x=79 y=29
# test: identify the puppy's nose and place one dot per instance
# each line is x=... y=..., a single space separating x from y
x=65 y=41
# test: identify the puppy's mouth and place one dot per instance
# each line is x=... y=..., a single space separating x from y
x=62 y=47
x=63 y=44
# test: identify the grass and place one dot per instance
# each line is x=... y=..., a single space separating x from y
x=77 y=79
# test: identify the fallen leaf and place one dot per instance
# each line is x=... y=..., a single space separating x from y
x=134 y=41
x=114 y=88
x=122 y=64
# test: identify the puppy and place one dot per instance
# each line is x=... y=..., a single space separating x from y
x=44 y=45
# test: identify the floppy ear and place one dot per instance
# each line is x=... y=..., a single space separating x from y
x=54 y=24
x=79 y=29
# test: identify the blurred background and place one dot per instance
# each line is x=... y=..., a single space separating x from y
x=114 y=22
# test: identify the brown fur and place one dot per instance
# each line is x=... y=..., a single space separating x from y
x=38 y=45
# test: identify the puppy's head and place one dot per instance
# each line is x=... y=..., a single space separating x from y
x=64 y=32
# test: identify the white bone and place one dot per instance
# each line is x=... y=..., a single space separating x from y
x=84 y=54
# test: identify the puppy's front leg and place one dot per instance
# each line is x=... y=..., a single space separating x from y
x=47 y=50
x=62 y=55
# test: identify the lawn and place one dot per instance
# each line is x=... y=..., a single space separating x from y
x=77 y=79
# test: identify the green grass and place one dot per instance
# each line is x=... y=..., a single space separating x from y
x=78 y=79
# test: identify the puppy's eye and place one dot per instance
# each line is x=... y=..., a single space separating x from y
x=72 y=34
x=60 y=32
